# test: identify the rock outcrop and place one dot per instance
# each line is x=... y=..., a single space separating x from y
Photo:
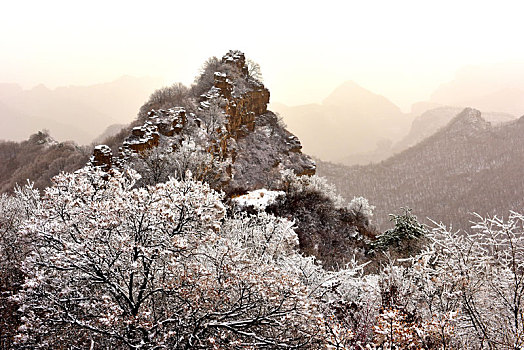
x=232 y=123
x=102 y=158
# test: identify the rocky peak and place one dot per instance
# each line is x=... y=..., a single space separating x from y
x=102 y=157
x=238 y=59
x=466 y=122
x=245 y=98
x=232 y=123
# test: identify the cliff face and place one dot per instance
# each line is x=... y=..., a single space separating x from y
x=230 y=122
x=102 y=157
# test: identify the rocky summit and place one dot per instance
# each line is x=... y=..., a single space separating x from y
x=230 y=122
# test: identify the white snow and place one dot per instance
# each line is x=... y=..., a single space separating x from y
x=259 y=199
x=103 y=149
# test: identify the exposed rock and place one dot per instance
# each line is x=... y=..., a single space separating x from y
x=102 y=157
x=143 y=138
x=240 y=108
x=467 y=123
x=237 y=59
x=232 y=124
x=169 y=122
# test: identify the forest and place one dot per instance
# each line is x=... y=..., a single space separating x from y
x=466 y=167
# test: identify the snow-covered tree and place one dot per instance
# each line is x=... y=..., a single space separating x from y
x=13 y=250
x=107 y=257
x=292 y=183
x=326 y=227
x=486 y=269
x=361 y=208
x=462 y=291
x=13 y=211
x=153 y=267
x=162 y=162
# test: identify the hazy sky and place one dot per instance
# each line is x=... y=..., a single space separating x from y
x=401 y=49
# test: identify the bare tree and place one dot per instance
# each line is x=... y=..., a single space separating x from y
x=206 y=79
x=253 y=70
x=176 y=95
x=213 y=116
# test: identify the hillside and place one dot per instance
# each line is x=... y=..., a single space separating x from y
x=468 y=166
x=434 y=119
x=351 y=120
x=38 y=159
x=423 y=126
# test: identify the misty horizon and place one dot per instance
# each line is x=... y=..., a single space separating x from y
x=378 y=127
x=474 y=81
x=401 y=50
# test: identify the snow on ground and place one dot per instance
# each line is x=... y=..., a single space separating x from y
x=259 y=199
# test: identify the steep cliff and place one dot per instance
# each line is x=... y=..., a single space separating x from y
x=230 y=122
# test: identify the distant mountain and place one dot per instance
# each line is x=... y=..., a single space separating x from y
x=432 y=120
x=19 y=126
x=111 y=130
x=423 y=126
x=71 y=113
x=351 y=97
x=38 y=159
x=9 y=89
x=495 y=87
x=467 y=166
x=351 y=120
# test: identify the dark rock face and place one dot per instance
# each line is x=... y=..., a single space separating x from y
x=102 y=157
x=243 y=132
x=145 y=137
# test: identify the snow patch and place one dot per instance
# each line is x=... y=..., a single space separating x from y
x=259 y=199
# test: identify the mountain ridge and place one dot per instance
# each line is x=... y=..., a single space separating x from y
x=78 y=113
x=445 y=176
x=344 y=123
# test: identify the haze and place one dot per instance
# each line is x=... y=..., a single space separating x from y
x=403 y=49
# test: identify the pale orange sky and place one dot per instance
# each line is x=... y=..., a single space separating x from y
x=401 y=49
